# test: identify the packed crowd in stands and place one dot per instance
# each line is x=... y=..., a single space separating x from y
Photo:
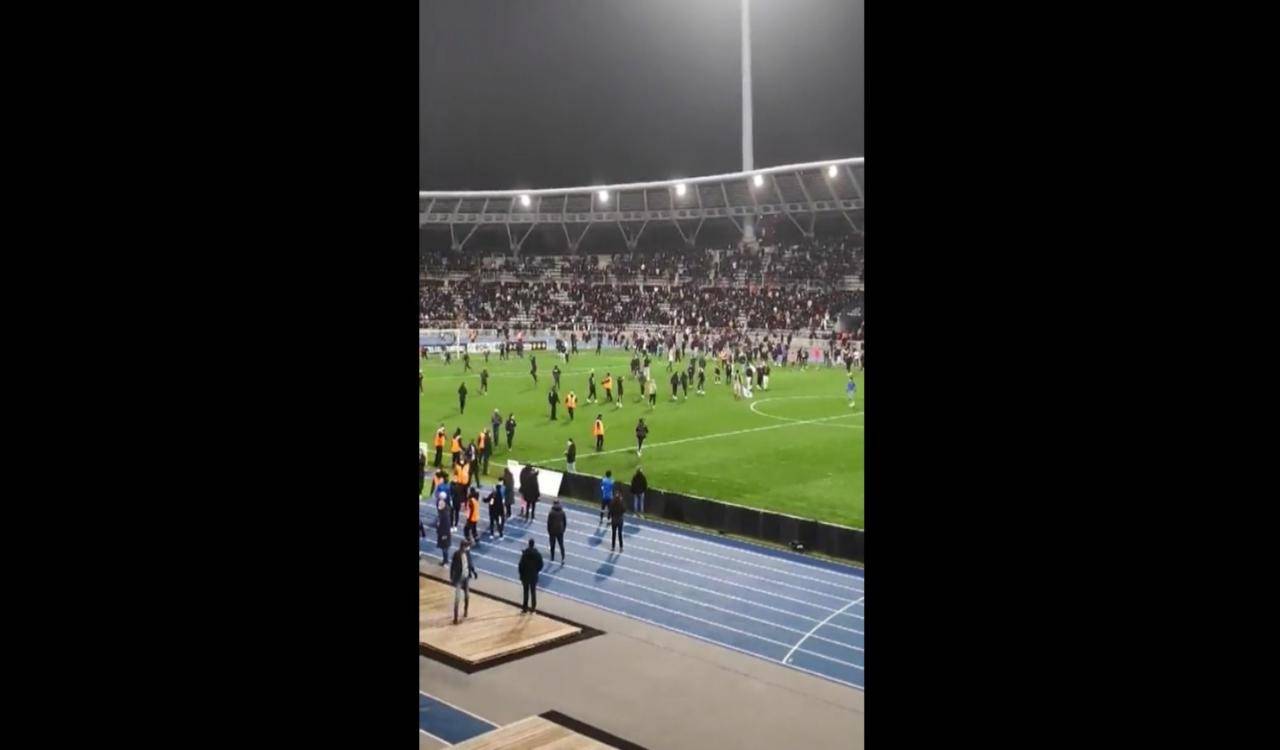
x=780 y=289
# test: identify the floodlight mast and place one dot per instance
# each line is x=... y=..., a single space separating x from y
x=748 y=155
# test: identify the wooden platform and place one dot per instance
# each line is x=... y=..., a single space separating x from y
x=493 y=630
x=533 y=733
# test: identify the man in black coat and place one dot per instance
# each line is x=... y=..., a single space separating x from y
x=639 y=485
x=557 y=521
x=462 y=398
x=529 y=567
x=529 y=489
x=553 y=398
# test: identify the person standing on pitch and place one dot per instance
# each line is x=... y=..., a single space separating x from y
x=533 y=368
x=571 y=456
x=639 y=485
x=702 y=381
x=599 y=341
x=619 y=406
x=466 y=362
x=684 y=384
x=461 y=571
x=571 y=403
x=608 y=387
x=455 y=446
x=606 y=493
x=552 y=400
x=849 y=389
x=462 y=398
x=556 y=524
x=419 y=381
x=486 y=449
x=495 y=420
x=439 y=445
x=530 y=566
x=591 y=387
x=597 y=431
x=555 y=376
x=443 y=535
x=511 y=429
x=675 y=384
x=642 y=432
x=484 y=380
x=653 y=394
x=617 y=509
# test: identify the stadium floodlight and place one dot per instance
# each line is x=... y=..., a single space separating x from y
x=524 y=201
x=603 y=195
x=759 y=180
x=680 y=188
x=831 y=171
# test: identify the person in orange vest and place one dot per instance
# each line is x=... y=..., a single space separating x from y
x=571 y=403
x=473 y=516
x=598 y=431
x=485 y=444
x=608 y=387
x=456 y=446
x=439 y=445
x=460 y=484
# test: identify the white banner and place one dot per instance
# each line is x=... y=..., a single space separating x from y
x=548 y=481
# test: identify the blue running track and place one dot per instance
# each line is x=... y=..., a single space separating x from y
x=779 y=606
x=446 y=723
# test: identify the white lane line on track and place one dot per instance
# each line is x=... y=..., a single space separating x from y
x=707 y=565
x=687 y=616
x=674 y=629
x=645 y=538
x=757 y=402
x=695 y=602
x=810 y=634
x=713 y=592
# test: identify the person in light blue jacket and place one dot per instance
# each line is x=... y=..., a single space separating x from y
x=606 y=494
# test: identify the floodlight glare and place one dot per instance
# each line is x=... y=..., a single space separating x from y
x=604 y=196
x=680 y=189
x=524 y=201
x=759 y=180
x=831 y=171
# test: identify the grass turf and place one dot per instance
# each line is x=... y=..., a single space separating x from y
x=763 y=452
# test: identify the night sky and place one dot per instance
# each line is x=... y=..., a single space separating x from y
x=555 y=93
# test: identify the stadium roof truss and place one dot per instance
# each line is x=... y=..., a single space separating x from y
x=800 y=192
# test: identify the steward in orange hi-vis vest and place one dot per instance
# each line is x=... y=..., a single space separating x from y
x=439 y=445
x=597 y=430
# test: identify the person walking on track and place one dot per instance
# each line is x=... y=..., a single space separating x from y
x=617 y=509
x=606 y=494
x=508 y=490
x=497 y=511
x=461 y=571
x=471 y=532
x=557 y=522
x=443 y=535
x=529 y=567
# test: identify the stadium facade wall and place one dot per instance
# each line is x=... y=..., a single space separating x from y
x=829 y=539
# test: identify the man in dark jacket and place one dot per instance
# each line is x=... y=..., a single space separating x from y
x=422 y=471
x=639 y=485
x=556 y=524
x=497 y=511
x=553 y=398
x=461 y=571
x=529 y=490
x=443 y=527
x=508 y=490
x=462 y=398
x=530 y=566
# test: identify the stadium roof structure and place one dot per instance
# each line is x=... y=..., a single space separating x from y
x=800 y=192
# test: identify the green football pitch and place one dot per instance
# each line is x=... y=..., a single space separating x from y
x=796 y=448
